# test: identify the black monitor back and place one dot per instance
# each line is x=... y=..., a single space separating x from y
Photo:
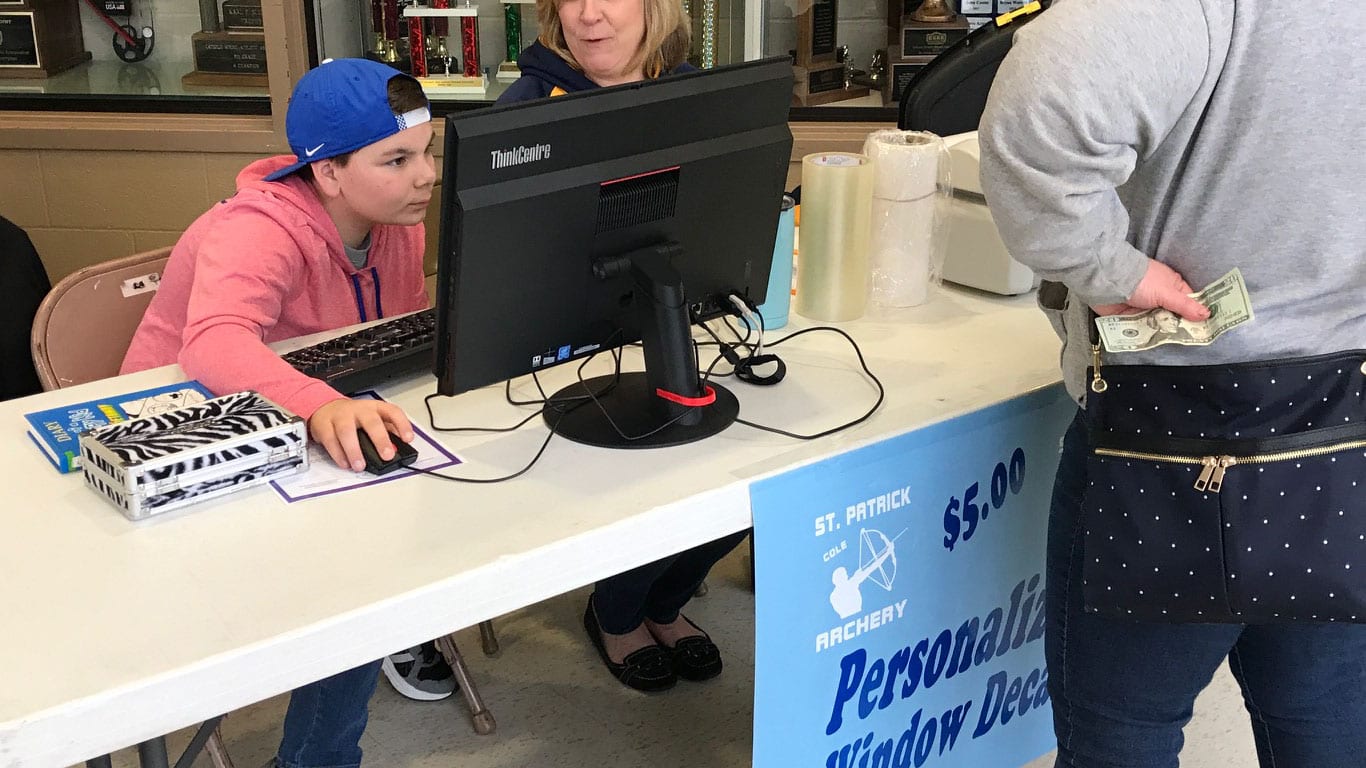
x=535 y=193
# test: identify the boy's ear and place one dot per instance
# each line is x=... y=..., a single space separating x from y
x=325 y=174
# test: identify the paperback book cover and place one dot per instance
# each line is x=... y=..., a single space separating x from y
x=56 y=430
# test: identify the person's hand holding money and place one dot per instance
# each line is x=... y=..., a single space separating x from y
x=1150 y=318
x=1161 y=286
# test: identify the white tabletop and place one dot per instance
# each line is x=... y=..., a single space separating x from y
x=117 y=632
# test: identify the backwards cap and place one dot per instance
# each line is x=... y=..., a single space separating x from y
x=341 y=106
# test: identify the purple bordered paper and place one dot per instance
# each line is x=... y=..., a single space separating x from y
x=431 y=455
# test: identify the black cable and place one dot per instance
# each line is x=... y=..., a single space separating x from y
x=573 y=402
x=488 y=480
x=507 y=393
x=881 y=392
x=577 y=401
x=732 y=358
x=608 y=416
x=431 y=420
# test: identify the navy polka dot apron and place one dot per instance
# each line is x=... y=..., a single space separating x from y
x=1227 y=493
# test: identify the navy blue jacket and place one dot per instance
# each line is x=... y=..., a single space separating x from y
x=543 y=71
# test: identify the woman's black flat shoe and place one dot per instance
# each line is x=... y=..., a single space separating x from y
x=649 y=669
x=696 y=658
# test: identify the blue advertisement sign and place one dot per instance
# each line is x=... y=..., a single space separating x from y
x=899 y=597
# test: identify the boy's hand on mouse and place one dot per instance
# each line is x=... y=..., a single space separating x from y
x=334 y=426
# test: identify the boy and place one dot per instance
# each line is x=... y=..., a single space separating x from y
x=328 y=238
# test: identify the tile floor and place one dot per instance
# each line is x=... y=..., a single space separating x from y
x=557 y=708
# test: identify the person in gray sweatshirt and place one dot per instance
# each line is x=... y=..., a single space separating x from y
x=1132 y=149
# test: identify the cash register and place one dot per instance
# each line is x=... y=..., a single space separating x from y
x=974 y=254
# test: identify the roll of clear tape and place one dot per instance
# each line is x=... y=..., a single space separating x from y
x=911 y=192
x=833 y=271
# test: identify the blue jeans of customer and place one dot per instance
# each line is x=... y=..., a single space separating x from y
x=1122 y=691
x=325 y=720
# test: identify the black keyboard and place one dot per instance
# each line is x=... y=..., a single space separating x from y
x=367 y=358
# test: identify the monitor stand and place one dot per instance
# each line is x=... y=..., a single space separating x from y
x=639 y=416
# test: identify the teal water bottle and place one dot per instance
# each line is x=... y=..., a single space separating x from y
x=779 y=296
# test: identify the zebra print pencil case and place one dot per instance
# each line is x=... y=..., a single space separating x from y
x=156 y=464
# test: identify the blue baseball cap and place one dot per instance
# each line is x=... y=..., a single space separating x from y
x=340 y=106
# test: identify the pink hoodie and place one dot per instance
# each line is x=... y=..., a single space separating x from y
x=264 y=265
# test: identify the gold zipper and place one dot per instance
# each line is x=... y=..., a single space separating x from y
x=1098 y=384
x=1212 y=471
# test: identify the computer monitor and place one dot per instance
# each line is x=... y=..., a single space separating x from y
x=580 y=223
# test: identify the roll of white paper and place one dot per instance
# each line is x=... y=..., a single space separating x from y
x=910 y=186
x=902 y=234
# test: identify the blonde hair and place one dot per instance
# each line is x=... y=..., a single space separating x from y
x=668 y=36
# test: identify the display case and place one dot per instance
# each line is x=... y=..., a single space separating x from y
x=851 y=58
x=134 y=56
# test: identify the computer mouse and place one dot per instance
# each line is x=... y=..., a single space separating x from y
x=404 y=454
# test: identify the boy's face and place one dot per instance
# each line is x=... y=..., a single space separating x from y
x=390 y=181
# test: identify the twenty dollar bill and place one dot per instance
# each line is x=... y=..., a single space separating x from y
x=1229 y=307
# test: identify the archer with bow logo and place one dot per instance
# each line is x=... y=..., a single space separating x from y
x=877 y=563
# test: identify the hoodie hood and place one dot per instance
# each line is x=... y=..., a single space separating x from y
x=544 y=64
x=543 y=71
x=293 y=203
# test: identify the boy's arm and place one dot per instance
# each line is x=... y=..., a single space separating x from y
x=237 y=296
x=242 y=275
x=1087 y=89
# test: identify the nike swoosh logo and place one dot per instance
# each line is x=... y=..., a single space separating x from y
x=313 y=151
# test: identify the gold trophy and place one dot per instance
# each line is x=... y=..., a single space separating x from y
x=934 y=12
x=930 y=29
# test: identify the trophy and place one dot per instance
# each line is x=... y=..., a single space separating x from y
x=818 y=77
x=40 y=37
x=876 y=74
x=705 y=14
x=231 y=51
x=421 y=46
x=931 y=29
x=512 y=35
x=384 y=41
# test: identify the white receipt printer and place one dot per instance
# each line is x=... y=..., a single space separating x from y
x=975 y=255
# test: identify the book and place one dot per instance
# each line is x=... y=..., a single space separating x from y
x=56 y=430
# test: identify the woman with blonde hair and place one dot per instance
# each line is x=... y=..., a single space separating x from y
x=586 y=44
x=633 y=619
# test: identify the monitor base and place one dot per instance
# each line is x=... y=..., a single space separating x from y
x=632 y=404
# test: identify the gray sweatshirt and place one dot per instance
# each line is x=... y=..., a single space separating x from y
x=1206 y=134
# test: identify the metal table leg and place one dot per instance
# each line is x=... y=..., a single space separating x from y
x=489 y=640
x=152 y=753
x=206 y=735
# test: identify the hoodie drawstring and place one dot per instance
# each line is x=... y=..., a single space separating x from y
x=360 y=302
x=379 y=305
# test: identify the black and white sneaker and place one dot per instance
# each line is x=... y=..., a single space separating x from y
x=420 y=673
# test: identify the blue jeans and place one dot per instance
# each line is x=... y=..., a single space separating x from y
x=657 y=591
x=325 y=720
x=1123 y=691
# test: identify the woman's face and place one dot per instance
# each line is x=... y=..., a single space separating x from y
x=604 y=36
